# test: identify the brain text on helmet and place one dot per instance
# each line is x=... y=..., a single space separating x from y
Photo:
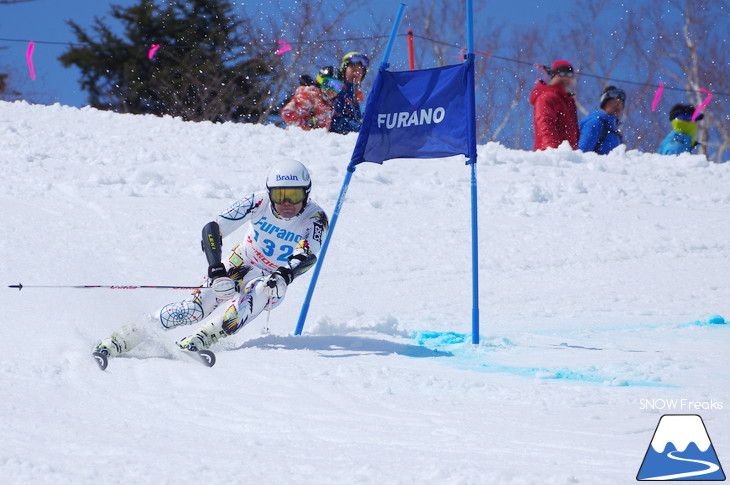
x=286 y=177
x=405 y=119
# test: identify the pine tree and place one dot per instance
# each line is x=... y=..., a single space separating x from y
x=203 y=70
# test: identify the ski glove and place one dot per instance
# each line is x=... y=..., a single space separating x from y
x=276 y=284
x=285 y=273
x=223 y=286
x=279 y=280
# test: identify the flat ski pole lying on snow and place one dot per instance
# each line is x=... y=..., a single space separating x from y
x=20 y=286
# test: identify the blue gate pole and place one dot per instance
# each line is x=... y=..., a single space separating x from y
x=474 y=257
x=323 y=251
x=473 y=162
x=343 y=193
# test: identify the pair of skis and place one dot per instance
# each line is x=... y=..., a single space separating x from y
x=205 y=357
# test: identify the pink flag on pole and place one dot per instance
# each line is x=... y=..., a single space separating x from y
x=286 y=47
x=152 y=51
x=703 y=104
x=29 y=58
x=657 y=96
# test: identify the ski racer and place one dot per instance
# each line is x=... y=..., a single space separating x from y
x=284 y=230
x=599 y=130
x=347 y=117
x=555 y=117
x=311 y=105
x=682 y=138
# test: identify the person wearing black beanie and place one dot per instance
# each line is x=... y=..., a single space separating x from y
x=599 y=130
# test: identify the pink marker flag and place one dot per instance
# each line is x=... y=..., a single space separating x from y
x=703 y=105
x=657 y=96
x=286 y=47
x=152 y=51
x=29 y=58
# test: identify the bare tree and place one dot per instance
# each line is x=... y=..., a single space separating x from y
x=518 y=74
x=314 y=30
x=598 y=41
x=433 y=23
x=684 y=42
x=440 y=30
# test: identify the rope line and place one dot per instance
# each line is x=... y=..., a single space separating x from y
x=349 y=39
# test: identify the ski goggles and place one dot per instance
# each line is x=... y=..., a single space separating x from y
x=295 y=195
x=330 y=83
x=614 y=94
x=687 y=117
x=357 y=59
x=564 y=73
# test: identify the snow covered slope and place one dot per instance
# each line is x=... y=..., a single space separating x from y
x=599 y=277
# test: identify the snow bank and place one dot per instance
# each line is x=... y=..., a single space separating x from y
x=600 y=276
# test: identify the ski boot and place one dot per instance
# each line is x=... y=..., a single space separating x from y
x=204 y=336
x=119 y=342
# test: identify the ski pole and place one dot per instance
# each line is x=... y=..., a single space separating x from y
x=268 y=308
x=20 y=286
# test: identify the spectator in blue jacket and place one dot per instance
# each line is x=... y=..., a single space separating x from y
x=682 y=137
x=599 y=130
x=346 y=116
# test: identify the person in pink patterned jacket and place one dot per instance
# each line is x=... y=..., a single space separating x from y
x=311 y=106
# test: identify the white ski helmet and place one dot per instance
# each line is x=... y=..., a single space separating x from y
x=289 y=174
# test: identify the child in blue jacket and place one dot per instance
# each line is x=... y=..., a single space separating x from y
x=682 y=137
x=599 y=130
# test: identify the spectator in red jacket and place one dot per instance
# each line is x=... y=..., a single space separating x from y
x=555 y=115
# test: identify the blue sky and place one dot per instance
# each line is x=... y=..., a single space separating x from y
x=45 y=20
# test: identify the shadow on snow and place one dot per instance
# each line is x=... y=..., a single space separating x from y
x=343 y=346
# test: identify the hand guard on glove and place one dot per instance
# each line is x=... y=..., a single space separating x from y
x=223 y=286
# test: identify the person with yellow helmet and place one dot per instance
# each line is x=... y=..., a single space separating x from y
x=347 y=116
